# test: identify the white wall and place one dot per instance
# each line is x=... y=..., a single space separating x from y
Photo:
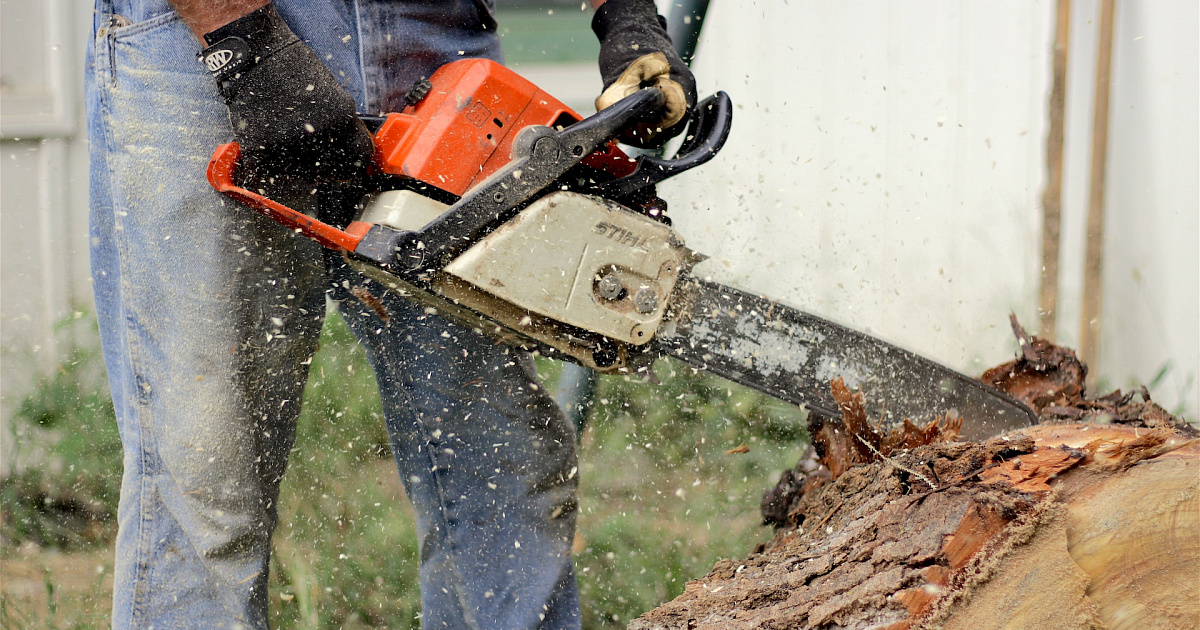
x=1151 y=305
x=44 y=277
x=886 y=167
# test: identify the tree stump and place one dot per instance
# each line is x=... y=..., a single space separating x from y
x=1089 y=520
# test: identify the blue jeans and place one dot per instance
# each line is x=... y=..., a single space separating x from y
x=208 y=316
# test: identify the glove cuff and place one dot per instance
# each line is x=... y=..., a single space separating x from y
x=616 y=13
x=240 y=45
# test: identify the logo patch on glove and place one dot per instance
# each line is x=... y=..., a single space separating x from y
x=218 y=59
x=228 y=57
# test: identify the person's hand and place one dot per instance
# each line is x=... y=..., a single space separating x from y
x=635 y=52
x=289 y=114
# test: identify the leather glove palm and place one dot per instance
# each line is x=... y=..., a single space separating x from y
x=636 y=52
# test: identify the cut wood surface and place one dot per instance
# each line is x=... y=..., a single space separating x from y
x=1089 y=520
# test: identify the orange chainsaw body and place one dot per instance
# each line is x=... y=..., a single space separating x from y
x=458 y=135
x=463 y=130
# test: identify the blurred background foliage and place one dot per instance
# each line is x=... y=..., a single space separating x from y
x=546 y=31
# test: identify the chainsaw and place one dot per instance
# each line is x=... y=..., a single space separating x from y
x=497 y=205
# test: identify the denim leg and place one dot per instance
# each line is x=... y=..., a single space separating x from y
x=209 y=312
x=207 y=316
x=487 y=459
x=486 y=456
x=405 y=41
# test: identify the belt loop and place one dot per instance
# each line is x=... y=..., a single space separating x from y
x=100 y=17
x=370 y=100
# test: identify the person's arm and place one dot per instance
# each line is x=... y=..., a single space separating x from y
x=636 y=52
x=206 y=16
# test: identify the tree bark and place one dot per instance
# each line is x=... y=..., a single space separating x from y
x=1060 y=526
x=1090 y=520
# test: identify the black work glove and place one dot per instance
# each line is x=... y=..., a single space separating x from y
x=289 y=114
x=635 y=52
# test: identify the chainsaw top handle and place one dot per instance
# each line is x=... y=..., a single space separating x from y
x=706 y=134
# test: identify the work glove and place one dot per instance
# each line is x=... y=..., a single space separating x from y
x=636 y=52
x=289 y=114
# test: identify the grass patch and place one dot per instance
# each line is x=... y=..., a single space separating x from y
x=346 y=549
x=67 y=423
x=660 y=498
x=542 y=35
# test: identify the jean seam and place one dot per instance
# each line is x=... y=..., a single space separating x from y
x=368 y=105
x=102 y=45
x=141 y=566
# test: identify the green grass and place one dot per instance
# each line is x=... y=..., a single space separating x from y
x=660 y=499
x=346 y=550
x=547 y=35
x=66 y=502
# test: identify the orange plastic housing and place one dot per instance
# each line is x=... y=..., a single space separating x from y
x=454 y=138
x=463 y=130
x=220 y=174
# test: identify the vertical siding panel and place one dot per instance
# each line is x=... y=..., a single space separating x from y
x=1151 y=271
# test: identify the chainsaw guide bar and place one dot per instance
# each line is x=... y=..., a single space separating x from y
x=792 y=355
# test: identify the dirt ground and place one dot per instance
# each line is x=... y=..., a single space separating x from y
x=44 y=588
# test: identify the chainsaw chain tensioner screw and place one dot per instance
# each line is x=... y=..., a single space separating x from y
x=610 y=287
x=645 y=300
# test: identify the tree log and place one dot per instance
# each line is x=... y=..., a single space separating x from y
x=1091 y=523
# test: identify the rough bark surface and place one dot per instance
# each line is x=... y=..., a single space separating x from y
x=1090 y=520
